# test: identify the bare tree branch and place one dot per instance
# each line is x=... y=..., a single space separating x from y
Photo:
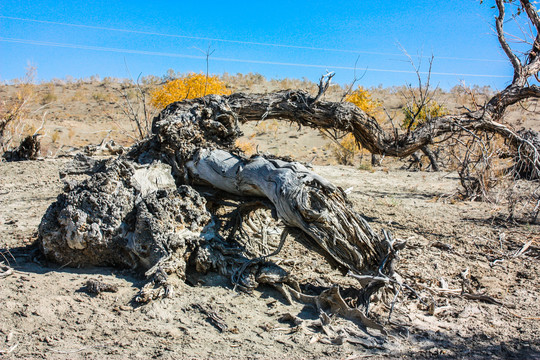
x=499 y=20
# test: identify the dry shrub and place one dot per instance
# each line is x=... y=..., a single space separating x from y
x=244 y=82
x=248 y=147
x=190 y=86
x=478 y=160
x=55 y=136
x=346 y=150
x=49 y=95
x=485 y=165
x=416 y=115
x=79 y=96
x=267 y=127
x=523 y=200
x=103 y=96
x=14 y=111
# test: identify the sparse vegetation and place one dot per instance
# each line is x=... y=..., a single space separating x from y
x=190 y=86
x=14 y=111
x=78 y=96
x=417 y=114
x=345 y=150
x=55 y=136
x=100 y=96
x=49 y=95
x=247 y=147
x=267 y=127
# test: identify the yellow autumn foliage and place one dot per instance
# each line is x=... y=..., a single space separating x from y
x=190 y=86
x=429 y=111
x=362 y=98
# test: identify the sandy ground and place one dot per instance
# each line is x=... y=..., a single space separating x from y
x=46 y=313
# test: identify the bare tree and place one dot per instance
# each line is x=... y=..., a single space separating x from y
x=297 y=106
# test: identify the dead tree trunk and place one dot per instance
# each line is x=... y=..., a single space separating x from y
x=432 y=158
x=302 y=199
x=28 y=149
x=300 y=107
x=129 y=214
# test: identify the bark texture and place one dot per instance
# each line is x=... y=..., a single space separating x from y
x=116 y=219
x=302 y=199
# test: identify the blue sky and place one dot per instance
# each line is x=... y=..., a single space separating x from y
x=314 y=35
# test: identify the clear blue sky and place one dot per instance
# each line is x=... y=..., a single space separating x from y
x=458 y=33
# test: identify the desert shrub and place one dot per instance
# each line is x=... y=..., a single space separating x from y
x=171 y=75
x=94 y=79
x=49 y=95
x=131 y=94
x=99 y=96
x=346 y=150
x=267 y=127
x=78 y=96
x=416 y=114
x=15 y=110
x=190 y=86
x=363 y=99
x=150 y=80
x=109 y=80
x=102 y=96
x=55 y=136
x=365 y=166
x=243 y=82
x=248 y=147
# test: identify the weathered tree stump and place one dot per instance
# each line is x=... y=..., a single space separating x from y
x=147 y=210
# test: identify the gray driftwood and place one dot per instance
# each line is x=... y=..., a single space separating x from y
x=302 y=199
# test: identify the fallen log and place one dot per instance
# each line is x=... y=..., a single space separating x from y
x=145 y=210
x=302 y=199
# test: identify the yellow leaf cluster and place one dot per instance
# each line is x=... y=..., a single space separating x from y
x=362 y=98
x=190 y=86
x=429 y=111
x=248 y=147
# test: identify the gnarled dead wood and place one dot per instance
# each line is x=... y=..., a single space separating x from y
x=129 y=213
x=302 y=199
x=298 y=107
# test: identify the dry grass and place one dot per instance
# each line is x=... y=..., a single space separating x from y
x=248 y=147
